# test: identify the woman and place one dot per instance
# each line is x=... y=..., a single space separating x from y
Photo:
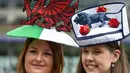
x=39 y=56
x=42 y=55
x=100 y=28
x=104 y=58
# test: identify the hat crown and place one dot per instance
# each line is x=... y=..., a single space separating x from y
x=100 y=24
x=46 y=19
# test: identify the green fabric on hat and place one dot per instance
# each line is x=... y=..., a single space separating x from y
x=26 y=31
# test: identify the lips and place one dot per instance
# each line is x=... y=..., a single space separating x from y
x=38 y=65
x=91 y=67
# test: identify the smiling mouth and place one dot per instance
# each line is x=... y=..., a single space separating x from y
x=91 y=67
x=37 y=65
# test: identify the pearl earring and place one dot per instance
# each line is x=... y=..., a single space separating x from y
x=112 y=64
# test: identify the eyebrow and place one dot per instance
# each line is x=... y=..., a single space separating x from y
x=48 y=50
x=44 y=49
x=33 y=47
x=97 y=49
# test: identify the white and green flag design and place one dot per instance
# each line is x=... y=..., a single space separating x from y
x=28 y=31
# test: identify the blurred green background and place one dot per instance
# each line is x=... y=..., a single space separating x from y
x=10 y=47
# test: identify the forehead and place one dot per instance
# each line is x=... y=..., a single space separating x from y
x=96 y=47
x=36 y=43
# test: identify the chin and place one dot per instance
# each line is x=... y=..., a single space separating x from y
x=35 y=71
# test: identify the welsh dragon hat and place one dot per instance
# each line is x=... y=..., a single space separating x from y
x=48 y=21
x=100 y=24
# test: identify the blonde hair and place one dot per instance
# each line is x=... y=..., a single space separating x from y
x=57 y=57
x=121 y=66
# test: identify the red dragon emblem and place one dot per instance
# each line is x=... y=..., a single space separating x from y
x=48 y=15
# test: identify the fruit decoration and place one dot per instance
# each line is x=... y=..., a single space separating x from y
x=113 y=22
x=84 y=30
x=101 y=9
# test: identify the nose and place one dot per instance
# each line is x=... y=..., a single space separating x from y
x=90 y=57
x=38 y=58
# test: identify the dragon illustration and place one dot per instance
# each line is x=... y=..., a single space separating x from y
x=47 y=15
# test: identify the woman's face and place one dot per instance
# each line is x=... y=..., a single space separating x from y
x=97 y=59
x=39 y=57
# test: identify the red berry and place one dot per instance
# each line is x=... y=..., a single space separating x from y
x=113 y=22
x=84 y=30
x=101 y=9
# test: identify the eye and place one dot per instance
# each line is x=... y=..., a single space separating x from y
x=48 y=53
x=84 y=51
x=33 y=51
x=97 y=52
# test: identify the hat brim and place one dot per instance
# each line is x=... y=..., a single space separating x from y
x=37 y=32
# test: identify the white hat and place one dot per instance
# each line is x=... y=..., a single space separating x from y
x=100 y=24
x=42 y=22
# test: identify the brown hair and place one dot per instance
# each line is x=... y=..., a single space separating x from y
x=121 y=66
x=57 y=57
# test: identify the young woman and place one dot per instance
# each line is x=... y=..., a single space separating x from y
x=100 y=29
x=39 y=56
x=103 y=58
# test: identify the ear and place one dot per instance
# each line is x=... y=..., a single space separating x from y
x=116 y=55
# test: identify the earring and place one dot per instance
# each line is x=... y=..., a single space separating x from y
x=112 y=65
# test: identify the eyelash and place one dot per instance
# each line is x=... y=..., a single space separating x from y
x=84 y=51
x=46 y=53
x=95 y=52
x=33 y=51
